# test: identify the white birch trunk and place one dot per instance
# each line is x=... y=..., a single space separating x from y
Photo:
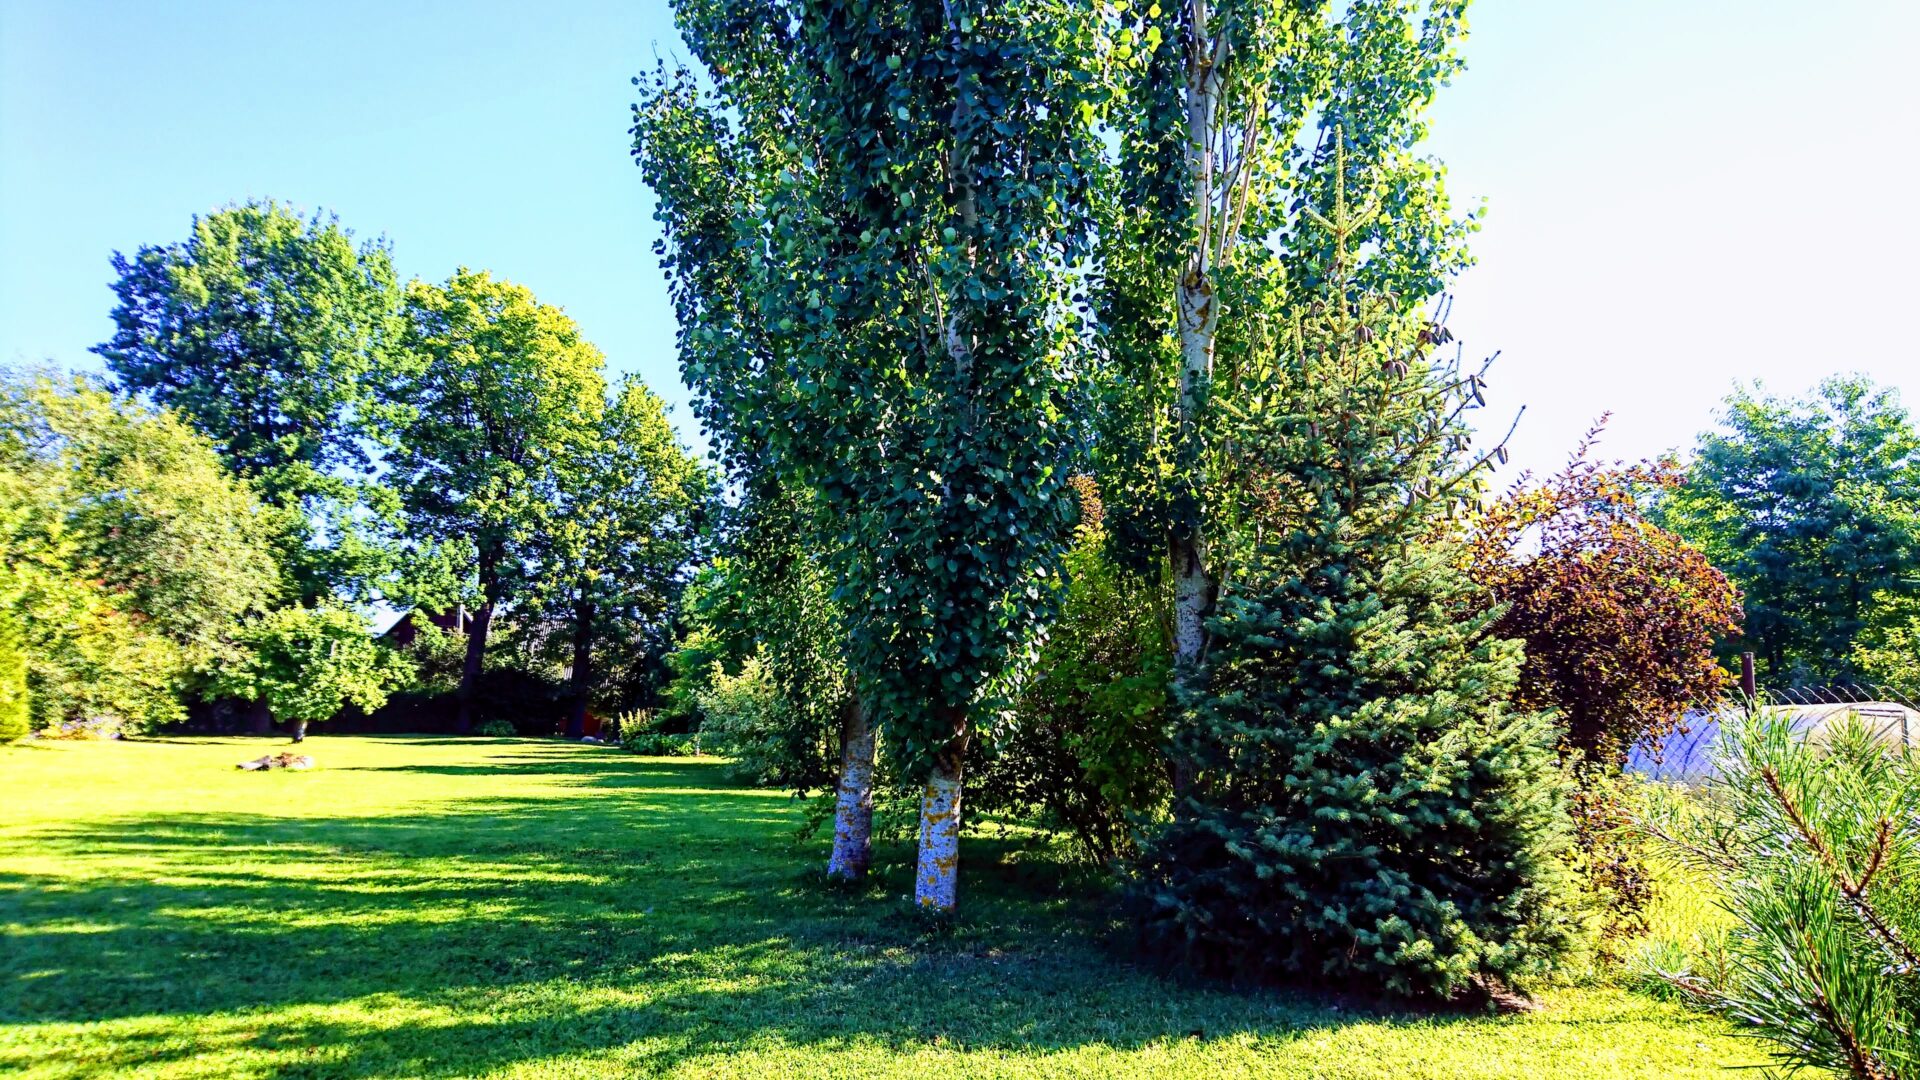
x=1192 y=588
x=936 y=884
x=1199 y=324
x=1192 y=585
x=853 y=807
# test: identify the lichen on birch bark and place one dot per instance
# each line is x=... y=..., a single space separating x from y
x=937 y=879
x=853 y=805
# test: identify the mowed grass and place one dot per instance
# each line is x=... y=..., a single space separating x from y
x=480 y=907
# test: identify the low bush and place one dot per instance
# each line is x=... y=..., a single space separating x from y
x=649 y=732
x=1611 y=855
x=494 y=729
x=1084 y=748
x=1620 y=617
x=15 y=714
x=743 y=718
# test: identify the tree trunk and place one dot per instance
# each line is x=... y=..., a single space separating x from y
x=1193 y=586
x=299 y=731
x=1198 y=312
x=479 y=620
x=260 y=717
x=853 y=807
x=936 y=883
x=482 y=617
x=1192 y=600
x=582 y=684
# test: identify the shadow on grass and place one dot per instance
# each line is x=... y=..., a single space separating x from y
x=625 y=772
x=638 y=913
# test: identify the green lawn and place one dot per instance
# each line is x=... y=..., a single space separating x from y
x=456 y=907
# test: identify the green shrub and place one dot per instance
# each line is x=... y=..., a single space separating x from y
x=1813 y=848
x=494 y=729
x=15 y=717
x=742 y=718
x=642 y=731
x=1085 y=747
x=1610 y=855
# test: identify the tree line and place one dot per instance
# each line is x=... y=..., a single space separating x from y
x=287 y=435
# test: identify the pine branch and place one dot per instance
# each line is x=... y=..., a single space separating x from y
x=1853 y=892
x=1862 y=1064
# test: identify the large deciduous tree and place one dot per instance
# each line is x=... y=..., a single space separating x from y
x=1812 y=507
x=611 y=557
x=874 y=230
x=496 y=392
x=128 y=553
x=266 y=331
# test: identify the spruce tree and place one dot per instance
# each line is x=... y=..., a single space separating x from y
x=1364 y=807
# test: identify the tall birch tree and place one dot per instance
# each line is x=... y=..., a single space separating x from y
x=1225 y=138
x=880 y=296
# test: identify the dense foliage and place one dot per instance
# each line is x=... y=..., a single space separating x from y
x=494 y=392
x=301 y=430
x=871 y=230
x=16 y=712
x=307 y=664
x=1887 y=651
x=132 y=553
x=611 y=556
x=1620 y=620
x=267 y=332
x=1620 y=617
x=1365 y=807
x=1083 y=747
x=1809 y=506
x=1226 y=139
x=1814 y=848
x=762 y=644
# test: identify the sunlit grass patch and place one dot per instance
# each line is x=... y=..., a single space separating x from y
x=464 y=907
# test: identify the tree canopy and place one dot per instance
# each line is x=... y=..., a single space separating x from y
x=1808 y=505
x=307 y=664
x=133 y=552
x=266 y=331
x=492 y=393
x=619 y=537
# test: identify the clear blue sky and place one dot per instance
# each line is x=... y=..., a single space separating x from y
x=1682 y=192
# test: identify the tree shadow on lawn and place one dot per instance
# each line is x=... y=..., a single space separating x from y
x=657 y=773
x=648 y=919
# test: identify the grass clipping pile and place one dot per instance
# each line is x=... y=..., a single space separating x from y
x=266 y=762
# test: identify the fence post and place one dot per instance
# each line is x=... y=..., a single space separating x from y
x=1747 y=685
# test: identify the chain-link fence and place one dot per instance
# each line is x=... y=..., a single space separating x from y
x=1685 y=755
